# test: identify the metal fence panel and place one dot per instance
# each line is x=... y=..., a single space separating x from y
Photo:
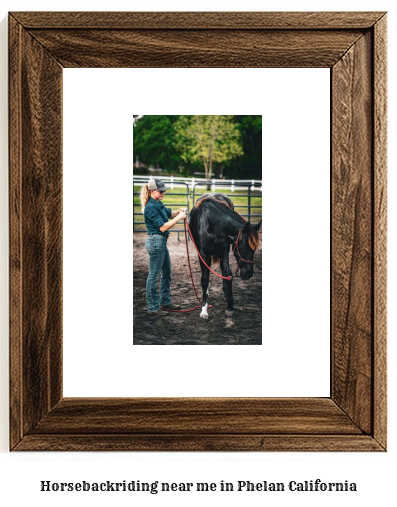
x=185 y=204
x=250 y=188
x=250 y=185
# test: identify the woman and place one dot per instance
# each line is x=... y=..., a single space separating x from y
x=158 y=220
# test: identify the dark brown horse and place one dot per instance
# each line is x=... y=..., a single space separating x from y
x=215 y=226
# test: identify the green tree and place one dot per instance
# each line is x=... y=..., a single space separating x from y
x=249 y=165
x=208 y=139
x=153 y=141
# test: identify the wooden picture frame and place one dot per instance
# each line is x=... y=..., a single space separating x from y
x=353 y=46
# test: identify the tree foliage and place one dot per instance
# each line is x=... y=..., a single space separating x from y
x=153 y=141
x=207 y=139
x=229 y=146
x=249 y=165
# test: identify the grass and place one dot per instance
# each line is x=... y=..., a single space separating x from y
x=177 y=198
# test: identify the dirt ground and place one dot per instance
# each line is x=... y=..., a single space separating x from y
x=244 y=328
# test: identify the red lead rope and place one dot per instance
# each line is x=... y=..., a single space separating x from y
x=191 y=237
x=191 y=275
x=238 y=253
x=190 y=269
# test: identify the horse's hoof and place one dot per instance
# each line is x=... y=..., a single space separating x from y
x=204 y=313
x=229 y=313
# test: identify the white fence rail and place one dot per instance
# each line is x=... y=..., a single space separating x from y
x=173 y=182
x=190 y=187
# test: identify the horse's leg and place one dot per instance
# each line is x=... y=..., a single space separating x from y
x=227 y=284
x=205 y=280
x=224 y=282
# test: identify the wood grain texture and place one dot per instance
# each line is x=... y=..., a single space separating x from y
x=200 y=20
x=352 y=238
x=354 y=45
x=199 y=443
x=36 y=190
x=380 y=230
x=301 y=416
x=196 y=48
x=15 y=231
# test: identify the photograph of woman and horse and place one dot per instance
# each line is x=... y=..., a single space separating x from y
x=197 y=230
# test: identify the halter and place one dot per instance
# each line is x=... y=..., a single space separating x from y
x=238 y=253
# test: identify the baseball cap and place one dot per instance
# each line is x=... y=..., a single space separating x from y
x=157 y=184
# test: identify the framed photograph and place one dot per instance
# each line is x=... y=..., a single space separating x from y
x=353 y=47
x=222 y=275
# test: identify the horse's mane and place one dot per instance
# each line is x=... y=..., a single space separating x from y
x=253 y=239
x=253 y=236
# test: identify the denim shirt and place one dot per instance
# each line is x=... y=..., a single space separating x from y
x=156 y=215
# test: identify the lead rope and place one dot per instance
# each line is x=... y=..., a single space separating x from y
x=185 y=223
x=191 y=237
x=238 y=253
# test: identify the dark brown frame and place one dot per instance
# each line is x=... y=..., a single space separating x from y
x=353 y=45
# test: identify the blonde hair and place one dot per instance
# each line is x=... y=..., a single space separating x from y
x=144 y=196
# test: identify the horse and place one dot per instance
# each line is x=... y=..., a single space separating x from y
x=215 y=226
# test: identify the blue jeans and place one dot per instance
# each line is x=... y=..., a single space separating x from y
x=159 y=262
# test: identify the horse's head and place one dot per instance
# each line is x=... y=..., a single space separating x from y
x=247 y=243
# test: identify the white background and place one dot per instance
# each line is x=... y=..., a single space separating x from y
x=99 y=357
x=20 y=473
